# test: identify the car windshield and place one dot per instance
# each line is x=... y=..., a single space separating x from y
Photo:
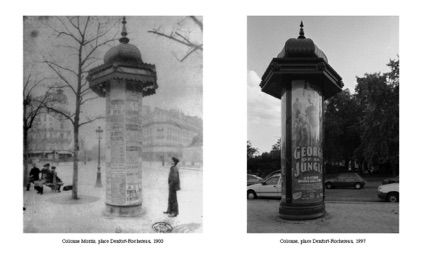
x=272 y=181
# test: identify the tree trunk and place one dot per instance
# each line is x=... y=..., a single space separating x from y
x=76 y=127
x=75 y=162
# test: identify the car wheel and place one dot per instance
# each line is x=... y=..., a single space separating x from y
x=329 y=185
x=357 y=185
x=392 y=197
x=251 y=194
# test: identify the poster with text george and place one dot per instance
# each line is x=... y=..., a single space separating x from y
x=307 y=159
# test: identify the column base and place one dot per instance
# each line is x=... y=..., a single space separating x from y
x=301 y=212
x=124 y=211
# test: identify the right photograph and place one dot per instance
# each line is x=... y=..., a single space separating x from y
x=323 y=124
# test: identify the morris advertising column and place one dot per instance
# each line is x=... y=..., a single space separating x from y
x=123 y=79
x=302 y=78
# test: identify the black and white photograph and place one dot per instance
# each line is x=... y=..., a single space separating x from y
x=323 y=124
x=113 y=124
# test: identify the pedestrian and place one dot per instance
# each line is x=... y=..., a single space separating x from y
x=45 y=176
x=174 y=186
x=34 y=175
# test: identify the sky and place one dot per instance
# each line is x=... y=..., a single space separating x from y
x=353 y=46
x=180 y=83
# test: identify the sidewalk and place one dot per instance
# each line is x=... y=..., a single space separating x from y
x=341 y=217
x=59 y=213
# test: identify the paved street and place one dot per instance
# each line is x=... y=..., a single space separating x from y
x=348 y=211
x=341 y=217
x=58 y=213
x=366 y=194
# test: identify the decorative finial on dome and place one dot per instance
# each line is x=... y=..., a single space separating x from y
x=124 y=38
x=301 y=31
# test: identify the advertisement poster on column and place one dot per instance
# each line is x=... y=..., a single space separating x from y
x=307 y=140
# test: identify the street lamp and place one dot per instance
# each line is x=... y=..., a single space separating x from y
x=99 y=131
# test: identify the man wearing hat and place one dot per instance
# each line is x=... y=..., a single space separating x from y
x=45 y=175
x=174 y=186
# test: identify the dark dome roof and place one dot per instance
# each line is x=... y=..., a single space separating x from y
x=124 y=52
x=301 y=47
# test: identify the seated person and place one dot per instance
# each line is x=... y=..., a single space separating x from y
x=34 y=175
x=55 y=179
x=45 y=176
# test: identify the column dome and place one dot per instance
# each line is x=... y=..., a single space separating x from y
x=123 y=52
x=301 y=47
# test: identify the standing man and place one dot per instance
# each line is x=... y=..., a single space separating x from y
x=34 y=175
x=174 y=186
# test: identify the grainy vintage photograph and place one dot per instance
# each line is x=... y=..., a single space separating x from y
x=323 y=125
x=113 y=124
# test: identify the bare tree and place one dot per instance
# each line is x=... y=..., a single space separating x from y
x=79 y=39
x=32 y=107
x=182 y=36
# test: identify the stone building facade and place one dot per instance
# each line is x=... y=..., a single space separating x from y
x=51 y=134
x=167 y=133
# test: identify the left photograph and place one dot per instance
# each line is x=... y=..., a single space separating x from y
x=113 y=124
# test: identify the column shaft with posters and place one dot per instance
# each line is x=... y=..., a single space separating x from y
x=123 y=163
x=302 y=79
x=302 y=138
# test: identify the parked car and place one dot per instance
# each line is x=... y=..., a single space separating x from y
x=252 y=179
x=389 y=192
x=273 y=173
x=392 y=180
x=344 y=180
x=271 y=187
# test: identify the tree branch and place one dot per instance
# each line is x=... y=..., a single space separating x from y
x=198 y=22
x=154 y=31
x=98 y=36
x=70 y=19
x=94 y=49
x=69 y=117
x=32 y=115
x=90 y=120
x=88 y=99
x=62 y=77
x=62 y=32
x=61 y=67
x=189 y=53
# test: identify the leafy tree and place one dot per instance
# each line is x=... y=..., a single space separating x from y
x=380 y=124
x=251 y=151
x=275 y=150
x=342 y=127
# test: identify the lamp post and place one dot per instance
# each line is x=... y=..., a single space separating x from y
x=302 y=79
x=99 y=131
